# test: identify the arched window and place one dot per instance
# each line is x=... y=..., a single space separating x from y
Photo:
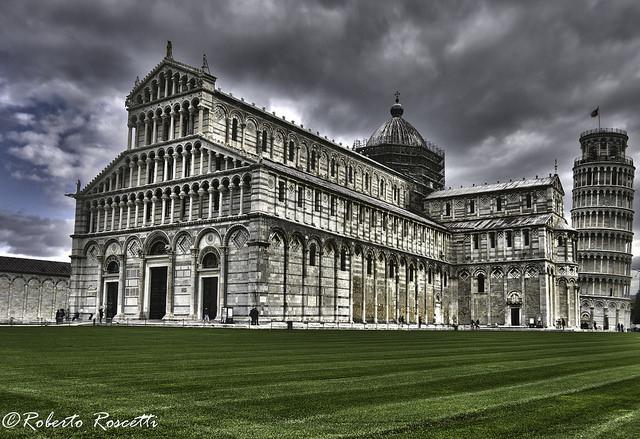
x=210 y=261
x=312 y=255
x=343 y=260
x=113 y=267
x=382 y=194
x=480 y=283
x=499 y=204
x=369 y=265
x=158 y=248
x=350 y=174
x=292 y=151
x=447 y=209
x=311 y=166
x=333 y=167
x=528 y=201
x=234 y=129
x=264 y=140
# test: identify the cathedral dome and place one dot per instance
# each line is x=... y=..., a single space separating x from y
x=396 y=131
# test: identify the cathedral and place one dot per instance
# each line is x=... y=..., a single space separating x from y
x=219 y=208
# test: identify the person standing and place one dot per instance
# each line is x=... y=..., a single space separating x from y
x=100 y=314
x=206 y=315
x=563 y=323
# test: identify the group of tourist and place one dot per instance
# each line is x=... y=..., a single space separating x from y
x=586 y=325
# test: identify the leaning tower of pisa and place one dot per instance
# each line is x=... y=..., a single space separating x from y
x=603 y=215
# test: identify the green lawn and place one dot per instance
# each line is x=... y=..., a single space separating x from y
x=291 y=384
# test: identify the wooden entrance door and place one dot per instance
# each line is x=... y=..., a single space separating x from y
x=112 y=299
x=515 y=316
x=158 y=292
x=210 y=297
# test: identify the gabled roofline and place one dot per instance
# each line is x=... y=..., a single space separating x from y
x=172 y=62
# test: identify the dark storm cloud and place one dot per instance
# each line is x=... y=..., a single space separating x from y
x=504 y=88
x=30 y=235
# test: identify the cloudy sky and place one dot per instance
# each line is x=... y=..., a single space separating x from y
x=505 y=88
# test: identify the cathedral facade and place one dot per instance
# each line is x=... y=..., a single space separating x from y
x=218 y=207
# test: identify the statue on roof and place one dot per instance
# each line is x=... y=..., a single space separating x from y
x=78 y=186
x=169 y=50
x=205 y=64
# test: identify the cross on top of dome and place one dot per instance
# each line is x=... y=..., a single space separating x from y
x=396 y=109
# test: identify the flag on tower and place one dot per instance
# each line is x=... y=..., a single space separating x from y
x=596 y=112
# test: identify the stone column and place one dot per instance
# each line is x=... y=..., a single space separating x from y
x=130 y=174
x=139 y=173
x=192 y=163
x=201 y=192
x=181 y=128
x=219 y=201
x=129 y=204
x=194 y=308
x=173 y=207
x=129 y=136
x=141 y=287
x=170 y=286
x=210 y=210
x=99 y=298
x=144 y=211
x=184 y=155
x=156 y=170
x=172 y=124
x=201 y=119
x=175 y=164
x=166 y=87
x=164 y=208
x=320 y=254
x=165 y=174
x=122 y=285
x=93 y=209
x=183 y=195
x=122 y=204
x=146 y=131
x=106 y=217
x=210 y=161
x=154 y=136
x=201 y=161
x=135 y=219
x=191 y=206
x=153 y=209
x=118 y=179
x=192 y=117
x=241 y=184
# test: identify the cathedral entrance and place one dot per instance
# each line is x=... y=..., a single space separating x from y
x=210 y=297
x=515 y=316
x=158 y=292
x=112 y=299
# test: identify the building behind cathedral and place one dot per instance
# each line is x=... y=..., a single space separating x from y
x=218 y=206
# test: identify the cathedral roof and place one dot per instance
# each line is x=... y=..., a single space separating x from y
x=508 y=222
x=397 y=131
x=34 y=266
x=520 y=184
